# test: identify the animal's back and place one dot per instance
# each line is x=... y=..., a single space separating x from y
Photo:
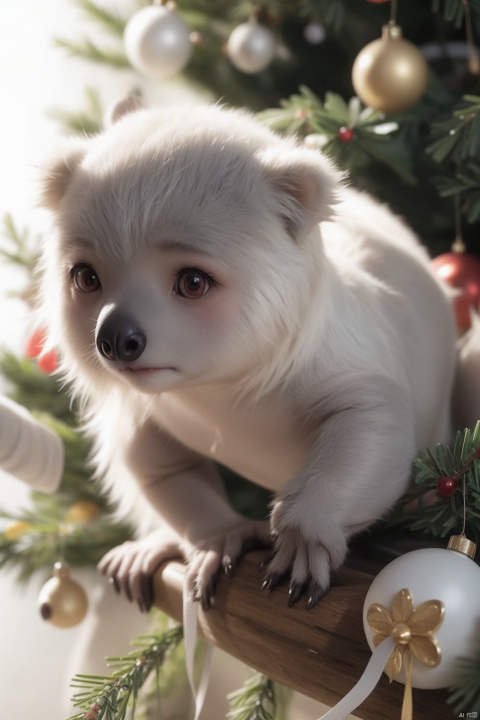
x=416 y=303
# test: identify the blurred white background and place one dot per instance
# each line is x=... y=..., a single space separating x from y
x=37 y=660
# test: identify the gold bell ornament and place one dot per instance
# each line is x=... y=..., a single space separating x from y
x=62 y=601
x=390 y=74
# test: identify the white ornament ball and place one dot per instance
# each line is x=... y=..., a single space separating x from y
x=251 y=47
x=434 y=574
x=314 y=33
x=157 y=41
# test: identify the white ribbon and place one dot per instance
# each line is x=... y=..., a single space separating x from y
x=190 y=620
x=365 y=685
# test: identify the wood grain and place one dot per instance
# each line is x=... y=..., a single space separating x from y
x=320 y=652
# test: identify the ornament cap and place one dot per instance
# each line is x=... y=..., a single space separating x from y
x=392 y=31
x=463 y=545
x=61 y=569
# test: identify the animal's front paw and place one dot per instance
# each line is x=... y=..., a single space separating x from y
x=306 y=552
x=222 y=551
x=130 y=566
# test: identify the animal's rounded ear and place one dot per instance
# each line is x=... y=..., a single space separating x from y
x=121 y=107
x=305 y=185
x=58 y=174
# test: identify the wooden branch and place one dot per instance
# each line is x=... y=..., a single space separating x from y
x=320 y=653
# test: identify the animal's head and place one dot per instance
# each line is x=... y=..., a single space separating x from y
x=184 y=247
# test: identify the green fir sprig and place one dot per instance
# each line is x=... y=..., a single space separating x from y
x=44 y=529
x=87 y=121
x=456 y=146
x=34 y=539
x=255 y=700
x=458 y=136
x=454 y=10
x=107 y=20
x=17 y=250
x=109 y=697
x=466 y=185
x=88 y=50
x=465 y=690
x=323 y=126
x=110 y=21
x=461 y=464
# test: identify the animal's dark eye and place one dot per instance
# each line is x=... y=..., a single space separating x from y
x=85 y=278
x=192 y=283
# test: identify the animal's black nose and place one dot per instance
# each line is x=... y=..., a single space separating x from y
x=119 y=338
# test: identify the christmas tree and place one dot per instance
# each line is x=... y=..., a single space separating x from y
x=290 y=62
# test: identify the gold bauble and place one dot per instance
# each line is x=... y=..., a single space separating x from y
x=16 y=529
x=81 y=512
x=390 y=74
x=62 y=601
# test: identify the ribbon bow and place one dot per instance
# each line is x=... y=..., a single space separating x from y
x=400 y=634
x=411 y=629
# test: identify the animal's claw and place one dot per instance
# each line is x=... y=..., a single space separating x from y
x=228 y=566
x=146 y=592
x=294 y=593
x=315 y=594
x=207 y=596
x=271 y=581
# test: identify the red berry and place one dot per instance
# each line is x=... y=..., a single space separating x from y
x=95 y=707
x=345 y=134
x=447 y=486
x=48 y=362
x=35 y=343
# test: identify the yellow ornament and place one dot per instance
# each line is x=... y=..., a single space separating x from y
x=390 y=74
x=411 y=629
x=17 y=529
x=62 y=601
x=81 y=512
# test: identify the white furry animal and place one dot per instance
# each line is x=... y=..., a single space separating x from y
x=218 y=294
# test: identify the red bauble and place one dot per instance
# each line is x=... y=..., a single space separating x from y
x=35 y=343
x=48 y=362
x=461 y=271
x=447 y=487
x=345 y=134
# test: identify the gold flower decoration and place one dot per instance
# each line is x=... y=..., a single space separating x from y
x=411 y=629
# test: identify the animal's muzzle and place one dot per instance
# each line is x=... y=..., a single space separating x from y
x=119 y=338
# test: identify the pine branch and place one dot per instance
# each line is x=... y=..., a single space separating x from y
x=321 y=125
x=108 y=697
x=465 y=690
x=255 y=700
x=458 y=136
x=465 y=183
x=46 y=526
x=111 y=22
x=90 y=51
x=34 y=389
x=454 y=10
x=460 y=463
x=34 y=539
x=20 y=252
x=84 y=122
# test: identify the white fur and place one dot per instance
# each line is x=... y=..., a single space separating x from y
x=319 y=363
